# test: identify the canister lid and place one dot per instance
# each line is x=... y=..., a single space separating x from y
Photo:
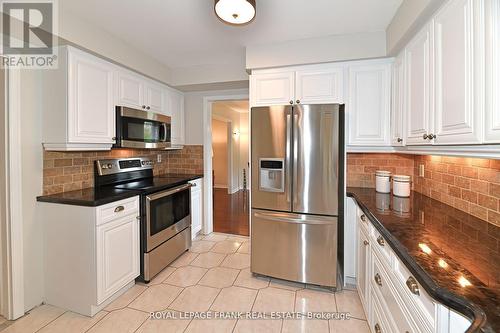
x=401 y=178
x=383 y=173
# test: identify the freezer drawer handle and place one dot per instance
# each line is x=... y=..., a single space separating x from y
x=289 y=219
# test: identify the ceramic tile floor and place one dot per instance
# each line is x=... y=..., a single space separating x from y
x=213 y=276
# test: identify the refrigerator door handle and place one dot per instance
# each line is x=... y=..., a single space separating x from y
x=296 y=220
x=296 y=141
x=288 y=156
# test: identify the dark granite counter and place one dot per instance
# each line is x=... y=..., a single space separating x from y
x=97 y=196
x=462 y=268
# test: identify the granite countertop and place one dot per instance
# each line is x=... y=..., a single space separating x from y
x=97 y=196
x=462 y=246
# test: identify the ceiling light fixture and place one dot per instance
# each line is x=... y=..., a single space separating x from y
x=235 y=12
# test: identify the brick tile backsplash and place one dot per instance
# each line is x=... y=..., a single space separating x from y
x=468 y=184
x=361 y=167
x=67 y=171
x=471 y=185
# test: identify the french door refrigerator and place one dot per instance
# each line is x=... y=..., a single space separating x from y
x=297 y=191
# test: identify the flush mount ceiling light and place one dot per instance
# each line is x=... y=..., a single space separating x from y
x=235 y=12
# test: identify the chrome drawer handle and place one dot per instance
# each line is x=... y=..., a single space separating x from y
x=378 y=279
x=377 y=328
x=366 y=242
x=119 y=209
x=380 y=241
x=412 y=284
x=363 y=218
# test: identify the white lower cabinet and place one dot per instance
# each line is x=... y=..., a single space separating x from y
x=393 y=300
x=117 y=255
x=196 y=206
x=91 y=254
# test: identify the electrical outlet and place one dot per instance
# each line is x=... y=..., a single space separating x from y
x=158 y=158
x=421 y=170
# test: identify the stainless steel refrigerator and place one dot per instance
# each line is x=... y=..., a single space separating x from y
x=297 y=191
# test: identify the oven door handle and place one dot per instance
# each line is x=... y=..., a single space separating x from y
x=168 y=192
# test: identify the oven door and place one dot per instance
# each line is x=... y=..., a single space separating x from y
x=167 y=213
x=142 y=129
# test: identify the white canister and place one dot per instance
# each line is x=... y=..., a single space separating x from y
x=401 y=186
x=383 y=181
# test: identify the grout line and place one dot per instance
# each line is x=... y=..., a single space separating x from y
x=51 y=320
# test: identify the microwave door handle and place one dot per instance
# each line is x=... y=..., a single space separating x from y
x=164 y=139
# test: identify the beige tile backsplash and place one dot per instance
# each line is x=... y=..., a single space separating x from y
x=67 y=171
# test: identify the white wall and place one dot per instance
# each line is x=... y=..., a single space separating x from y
x=220 y=160
x=409 y=19
x=316 y=50
x=193 y=110
x=78 y=31
x=32 y=160
x=203 y=74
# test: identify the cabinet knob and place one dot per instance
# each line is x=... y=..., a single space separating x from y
x=431 y=136
x=138 y=217
x=119 y=209
x=298 y=101
x=412 y=284
x=144 y=106
x=378 y=279
x=291 y=102
x=193 y=184
x=400 y=140
x=366 y=242
x=377 y=328
x=113 y=138
x=363 y=218
x=147 y=107
x=425 y=136
x=380 y=241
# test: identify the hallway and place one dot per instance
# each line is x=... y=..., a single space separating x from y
x=231 y=212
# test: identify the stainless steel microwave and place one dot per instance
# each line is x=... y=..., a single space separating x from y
x=142 y=129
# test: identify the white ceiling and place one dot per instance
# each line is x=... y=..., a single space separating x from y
x=183 y=33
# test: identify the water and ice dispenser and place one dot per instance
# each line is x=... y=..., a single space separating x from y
x=272 y=174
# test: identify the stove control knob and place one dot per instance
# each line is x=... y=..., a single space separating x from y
x=110 y=165
x=104 y=166
x=143 y=162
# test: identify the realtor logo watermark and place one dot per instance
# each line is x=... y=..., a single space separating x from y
x=29 y=34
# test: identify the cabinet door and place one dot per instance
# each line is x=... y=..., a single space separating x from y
x=363 y=264
x=154 y=97
x=117 y=255
x=492 y=118
x=398 y=99
x=272 y=89
x=419 y=95
x=459 y=74
x=130 y=90
x=196 y=207
x=90 y=99
x=176 y=112
x=319 y=86
x=369 y=104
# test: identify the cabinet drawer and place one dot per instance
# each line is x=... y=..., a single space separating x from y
x=419 y=302
x=378 y=320
x=117 y=209
x=396 y=310
x=382 y=248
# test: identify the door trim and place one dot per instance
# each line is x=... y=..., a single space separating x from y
x=208 y=225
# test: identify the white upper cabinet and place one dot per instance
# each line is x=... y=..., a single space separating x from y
x=154 y=97
x=175 y=109
x=314 y=84
x=319 y=86
x=368 y=105
x=398 y=102
x=492 y=112
x=418 y=96
x=78 y=103
x=272 y=89
x=130 y=90
x=90 y=99
x=140 y=93
x=459 y=72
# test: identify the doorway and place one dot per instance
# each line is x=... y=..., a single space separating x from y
x=230 y=163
